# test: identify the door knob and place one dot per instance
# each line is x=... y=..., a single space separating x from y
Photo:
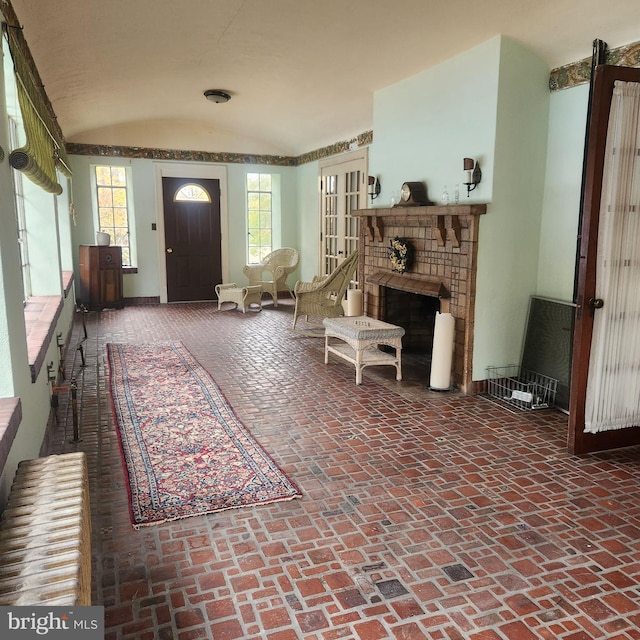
x=596 y=303
x=169 y=250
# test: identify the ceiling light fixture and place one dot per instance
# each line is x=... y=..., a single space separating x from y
x=215 y=95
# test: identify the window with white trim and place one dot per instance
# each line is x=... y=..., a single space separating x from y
x=113 y=205
x=259 y=216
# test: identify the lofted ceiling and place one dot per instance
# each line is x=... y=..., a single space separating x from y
x=301 y=73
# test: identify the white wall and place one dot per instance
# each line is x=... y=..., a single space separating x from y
x=509 y=239
x=561 y=205
x=425 y=125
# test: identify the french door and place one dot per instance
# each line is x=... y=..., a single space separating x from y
x=343 y=190
x=588 y=302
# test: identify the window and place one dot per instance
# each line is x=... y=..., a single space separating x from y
x=113 y=208
x=21 y=218
x=192 y=193
x=259 y=216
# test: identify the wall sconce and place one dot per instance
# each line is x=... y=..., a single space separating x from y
x=472 y=174
x=374 y=188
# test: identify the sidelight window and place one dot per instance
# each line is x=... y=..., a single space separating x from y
x=113 y=203
x=260 y=201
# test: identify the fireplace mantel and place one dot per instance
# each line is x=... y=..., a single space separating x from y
x=413 y=211
x=445 y=221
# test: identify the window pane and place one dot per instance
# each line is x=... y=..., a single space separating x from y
x=265 y=238
x=103 y=176
x=265 y=202
x=254 y=255
x=118 y=176
x=105 y=197
x=192 y=193
x=265 y=220
x=120 y=218
x=253 y=181
x=106 y=218
x=265 y=182
x=119 y=197
x=253 y=201
x=121 y=238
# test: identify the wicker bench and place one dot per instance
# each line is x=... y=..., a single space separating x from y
x=243 y=297
x=45 y=534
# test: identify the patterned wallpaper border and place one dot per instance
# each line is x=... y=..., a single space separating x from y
x=226 y=158
x=564 y=77
x=579 y=72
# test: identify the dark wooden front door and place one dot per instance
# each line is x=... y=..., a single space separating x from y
x=586 y=299
x=192 y=241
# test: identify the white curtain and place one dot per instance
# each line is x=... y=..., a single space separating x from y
x=613 y=386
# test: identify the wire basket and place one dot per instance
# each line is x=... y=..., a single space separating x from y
x=521 y=388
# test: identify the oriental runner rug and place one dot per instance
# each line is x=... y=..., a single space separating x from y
x=185 y=452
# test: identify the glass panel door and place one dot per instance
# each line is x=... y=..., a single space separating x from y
x=343 y=190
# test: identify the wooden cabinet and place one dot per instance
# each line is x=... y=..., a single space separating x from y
x=100 y=277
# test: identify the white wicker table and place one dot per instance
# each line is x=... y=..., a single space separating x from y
x=363 y=337
x=242 y=296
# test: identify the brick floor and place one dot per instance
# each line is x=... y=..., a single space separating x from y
x=424 y=514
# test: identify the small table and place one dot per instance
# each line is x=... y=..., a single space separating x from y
x=242 y=296
x=363 y=336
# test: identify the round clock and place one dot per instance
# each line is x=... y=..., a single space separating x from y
x=413 y=193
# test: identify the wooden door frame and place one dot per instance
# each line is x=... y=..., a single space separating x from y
x=195 y=171
x=579 y=442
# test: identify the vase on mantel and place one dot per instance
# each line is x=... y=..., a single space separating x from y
x=103 y=239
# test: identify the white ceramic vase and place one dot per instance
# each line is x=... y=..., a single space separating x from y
x=103 y=239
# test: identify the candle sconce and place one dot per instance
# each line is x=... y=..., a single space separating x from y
x=374 y=188
x=473 y=175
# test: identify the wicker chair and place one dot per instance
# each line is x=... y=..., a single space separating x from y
x=276 y=267
x=323 y=296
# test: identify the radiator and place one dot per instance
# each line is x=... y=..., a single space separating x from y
x=45 y=534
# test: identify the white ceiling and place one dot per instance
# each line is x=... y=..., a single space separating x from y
x=301 y=73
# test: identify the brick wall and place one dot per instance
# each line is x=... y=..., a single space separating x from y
x=445 y=244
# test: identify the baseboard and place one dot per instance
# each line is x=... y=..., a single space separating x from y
x=141 y=300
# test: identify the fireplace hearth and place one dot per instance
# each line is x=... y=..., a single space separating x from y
x=443 y=274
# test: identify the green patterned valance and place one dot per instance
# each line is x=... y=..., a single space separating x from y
x=579 y=72
x=44 y=150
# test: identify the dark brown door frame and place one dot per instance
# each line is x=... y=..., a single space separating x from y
x=579 y=442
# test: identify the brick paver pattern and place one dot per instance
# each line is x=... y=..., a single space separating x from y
x=424 y=514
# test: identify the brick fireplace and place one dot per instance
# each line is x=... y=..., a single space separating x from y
x=445 y=244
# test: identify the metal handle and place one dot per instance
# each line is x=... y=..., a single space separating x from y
x=596 y=303
x=169 y=250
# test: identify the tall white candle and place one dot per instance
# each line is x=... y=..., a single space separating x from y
x=354 y=302
x=442 y=354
